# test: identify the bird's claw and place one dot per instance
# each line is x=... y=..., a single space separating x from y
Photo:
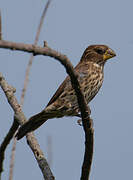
x=79 y=121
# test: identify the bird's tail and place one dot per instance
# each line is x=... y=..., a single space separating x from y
x=33 y=123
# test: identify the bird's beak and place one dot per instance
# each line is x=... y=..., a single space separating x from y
x=108 y=54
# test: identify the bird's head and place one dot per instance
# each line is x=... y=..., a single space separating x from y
x=98 y=54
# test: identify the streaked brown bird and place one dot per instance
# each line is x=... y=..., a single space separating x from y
x=64 y=102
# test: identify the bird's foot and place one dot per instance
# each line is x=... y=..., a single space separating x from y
x=79 y=121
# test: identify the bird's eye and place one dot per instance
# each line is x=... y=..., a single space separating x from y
x=100 y=51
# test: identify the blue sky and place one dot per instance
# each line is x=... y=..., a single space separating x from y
x=69 y=27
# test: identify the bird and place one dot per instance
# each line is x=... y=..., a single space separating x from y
x=90 y=70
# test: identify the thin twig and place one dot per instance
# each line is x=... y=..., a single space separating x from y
x=26 y=80
x=49 y=150
x=31 y=57
x=32 y=142
x=12 y=159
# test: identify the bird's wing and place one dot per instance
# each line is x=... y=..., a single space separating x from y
x=58 y=92
x=78 y=68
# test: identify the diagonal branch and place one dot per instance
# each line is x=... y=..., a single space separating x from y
x=26 y=80
x=13 y=155
x=85 y=111
x=31 y=57
x=32 y=142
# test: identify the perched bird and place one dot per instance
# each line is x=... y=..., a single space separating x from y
x=64 y=102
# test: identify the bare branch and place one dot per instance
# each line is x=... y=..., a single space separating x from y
x=32 y=142
x=31 y=58
x=12 y=159
x=85 y=111
x=30 y=48
x=41 y=21
x=89 y=144
x=49 y=150
x=26 y=80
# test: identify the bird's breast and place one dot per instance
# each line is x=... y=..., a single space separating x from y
x=91 y=81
